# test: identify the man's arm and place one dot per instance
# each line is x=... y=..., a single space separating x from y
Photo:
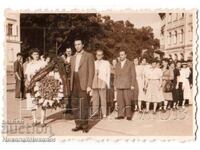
x=108 y=74
x=16 y=68
x=91 y=70
x=115 y=75
x=133 y=74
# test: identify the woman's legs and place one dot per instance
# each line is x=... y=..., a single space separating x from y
x=140 y=105
x=169 y=106
x=147 y=106
x=165 y=105
x=160 y=106
x=155 y=107
x=115 y=95
x=183 y=103
x=175 y=103
x=136 y=105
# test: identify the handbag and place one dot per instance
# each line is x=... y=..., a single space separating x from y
x=168 y=87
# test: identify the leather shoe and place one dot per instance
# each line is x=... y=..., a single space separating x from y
x=129 y=118
x=85 y=130
x=77 y=129
x=119 y=117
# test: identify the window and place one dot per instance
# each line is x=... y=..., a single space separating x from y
x=9 y=29
x=182 y=15
x=191 y=33
x=175 y=37
x=175 y=16
x=181 y=36
x=170 y=18
x=162 y=30
x=169 y=38
x=15 y=30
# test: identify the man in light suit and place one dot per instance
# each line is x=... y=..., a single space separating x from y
x=82 y=73
x=101 y=83
x=124 y=81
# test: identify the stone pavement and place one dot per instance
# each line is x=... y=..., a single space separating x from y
x=171 y=123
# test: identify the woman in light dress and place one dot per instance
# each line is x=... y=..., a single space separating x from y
x=153 y=86
x=113 y=89
x=31 y=69
x=184 y=78
x=46 y=83
x=140 y=76
x=135 y=92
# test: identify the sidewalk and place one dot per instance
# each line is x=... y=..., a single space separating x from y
x=178 y=123
x=10 y=82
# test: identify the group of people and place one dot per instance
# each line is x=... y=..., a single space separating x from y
x=165 y=83
x=79 y=79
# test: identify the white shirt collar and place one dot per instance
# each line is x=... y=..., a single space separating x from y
x=80 y=53
x=123 y=61
x=99 y=60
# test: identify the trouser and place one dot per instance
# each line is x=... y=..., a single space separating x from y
x=19 y=89
x=124 y=102
x=69 y=103
x=69 y=100
x=80 y=103
x=99 y=100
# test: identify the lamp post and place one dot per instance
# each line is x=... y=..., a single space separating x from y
x=44 y=39
x=56 y=48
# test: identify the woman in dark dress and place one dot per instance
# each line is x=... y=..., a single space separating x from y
x=177 y=91
x=112 y=92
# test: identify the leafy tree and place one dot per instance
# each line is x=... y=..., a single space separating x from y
x=51 y=33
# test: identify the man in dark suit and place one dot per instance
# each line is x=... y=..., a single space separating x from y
x=82 y=73
x=124 y=81
x=19 y=77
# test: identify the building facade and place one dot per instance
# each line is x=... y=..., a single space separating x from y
x=177 y=35
x=12 y=40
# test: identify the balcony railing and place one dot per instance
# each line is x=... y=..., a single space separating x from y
x=13 y=38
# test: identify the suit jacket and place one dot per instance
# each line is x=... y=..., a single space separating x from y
x=85 y=71
x=176 y=74
x=67 y=65
x=102 y=75
x=125 y=77
x=18 y=67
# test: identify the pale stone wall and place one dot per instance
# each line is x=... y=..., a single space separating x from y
x=177 y=34
x=12 y=38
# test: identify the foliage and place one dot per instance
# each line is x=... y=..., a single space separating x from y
x=52 y=33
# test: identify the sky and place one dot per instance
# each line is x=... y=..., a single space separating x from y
x=138 y=19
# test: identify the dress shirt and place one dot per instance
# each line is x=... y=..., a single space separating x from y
x=122 y=63
x=78 y=59
x=102 y=74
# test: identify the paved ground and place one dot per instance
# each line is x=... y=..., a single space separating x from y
x=172 y=123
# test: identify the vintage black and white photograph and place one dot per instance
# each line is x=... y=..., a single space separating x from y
x=100 y=74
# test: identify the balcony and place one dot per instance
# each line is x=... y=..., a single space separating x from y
x=13 y=39
x=175 y=24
